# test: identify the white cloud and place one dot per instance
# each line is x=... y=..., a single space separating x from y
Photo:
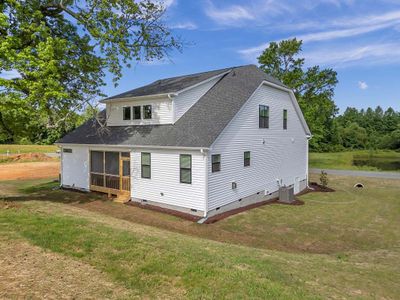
x=184 y=25
x=10 y=74
x=349 y=27
x=168 y=3
x=362 y=85
x=364 y=55
x=228 y=15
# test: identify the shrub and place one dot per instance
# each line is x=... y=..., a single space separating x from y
x=323 y=178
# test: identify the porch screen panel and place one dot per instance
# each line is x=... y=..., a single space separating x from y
x=112 y=163
x=96 y=162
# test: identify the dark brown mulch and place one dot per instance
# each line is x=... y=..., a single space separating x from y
x=319 y=188
x=172 y=212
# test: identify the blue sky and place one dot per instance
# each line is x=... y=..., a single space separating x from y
x=360 y=39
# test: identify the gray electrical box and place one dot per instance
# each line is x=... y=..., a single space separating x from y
x=286 y=194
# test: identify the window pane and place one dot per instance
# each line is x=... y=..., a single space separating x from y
x=185 y=161
x=112 y=163
x=247 y=155
x=127 y=113
x=216 y=158
x=147 y=111
x=146 y=171
x=126 y=168
x=136 y=113
x=96 y=161
x=186 y=176
x=146 y=159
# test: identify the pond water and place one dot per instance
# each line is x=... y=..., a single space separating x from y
x=381 y=163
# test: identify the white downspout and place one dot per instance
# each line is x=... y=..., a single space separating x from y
x=205 y=154
x=307 y=171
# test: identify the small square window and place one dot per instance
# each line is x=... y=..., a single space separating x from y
x=147 y=111
x=137 y=113
x=246 y=161
x=126 y=113
x=215 y=163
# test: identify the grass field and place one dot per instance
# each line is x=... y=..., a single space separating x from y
x=338 y=245
x=344 y=160
x=15 y=149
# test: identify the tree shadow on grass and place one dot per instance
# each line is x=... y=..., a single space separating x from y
x=50 y=191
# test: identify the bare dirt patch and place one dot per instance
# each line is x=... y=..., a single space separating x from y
x=26 y=157
x=31 y=170
x=27 y=272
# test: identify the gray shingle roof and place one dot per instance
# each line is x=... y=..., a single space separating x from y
x=198 y=127
x=169 y=85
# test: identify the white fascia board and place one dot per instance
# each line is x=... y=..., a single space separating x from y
x=146 y=97
x=295 y=104
x=134 y=146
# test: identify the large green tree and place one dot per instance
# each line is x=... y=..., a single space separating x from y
x=313 y=87
x=61 y=50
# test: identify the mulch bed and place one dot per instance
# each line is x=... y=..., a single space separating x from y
x=313 y=187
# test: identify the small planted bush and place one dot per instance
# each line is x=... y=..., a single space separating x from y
x=323 y=178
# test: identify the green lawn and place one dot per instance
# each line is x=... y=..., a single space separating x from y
x=344 y=160
x=338 y=245
x=15 y=149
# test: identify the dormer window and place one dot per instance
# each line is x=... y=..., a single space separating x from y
x=127 y=113
x=137 y=113
x=147 y=111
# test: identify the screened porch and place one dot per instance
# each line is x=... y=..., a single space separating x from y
x=110 y=172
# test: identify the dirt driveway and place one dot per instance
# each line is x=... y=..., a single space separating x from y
x=30 y=170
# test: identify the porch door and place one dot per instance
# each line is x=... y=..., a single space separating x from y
x=125 y=171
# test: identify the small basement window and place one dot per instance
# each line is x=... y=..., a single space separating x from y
x=146 y=165
x=263 y=118
x=147 y=111
x=137 y=113
x=216 y=163
x=246 y=161
x=185 y=166
x=126 y=113
x=67 y=150
x=285 y=117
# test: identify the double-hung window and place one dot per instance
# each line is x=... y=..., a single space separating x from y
x=246 y=159
x=146 y=165
x=263 y=116
x=137 y=112
x=147 y=111
x=285 y=119
x=216 y=163
x=185 y=165
x=126 y=111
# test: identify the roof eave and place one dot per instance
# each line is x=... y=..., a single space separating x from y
x=137 y=98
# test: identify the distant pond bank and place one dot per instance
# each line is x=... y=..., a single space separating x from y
x=368 y=160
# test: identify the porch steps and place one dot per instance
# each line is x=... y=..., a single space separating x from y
x=122 y=198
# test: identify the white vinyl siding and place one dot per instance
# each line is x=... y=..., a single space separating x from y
x=161 y=112
x=276 y=154
x=186 y=99
x=165 y=186
x=75 y=167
